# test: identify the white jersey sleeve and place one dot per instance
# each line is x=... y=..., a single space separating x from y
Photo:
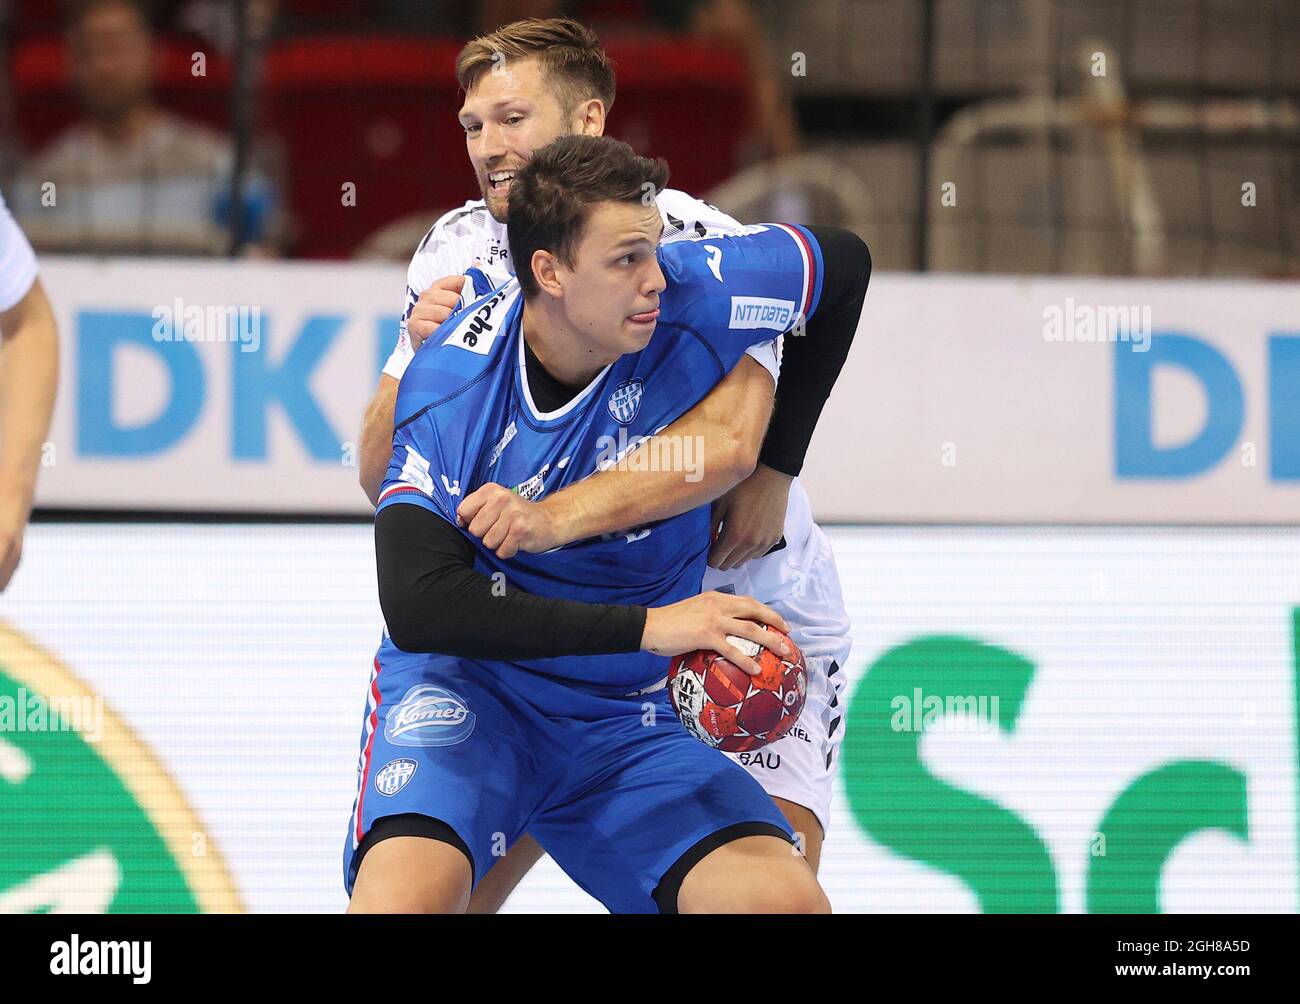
x=448 y=248
x=17 y=260
x=689 y=218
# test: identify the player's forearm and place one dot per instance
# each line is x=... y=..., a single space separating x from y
x=377 y=438
x=812 y=360
x=697 y=458
x=29 y=369
x=434 y=601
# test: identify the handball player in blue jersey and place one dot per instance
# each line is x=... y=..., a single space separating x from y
x=526 y=84
x=525 y=694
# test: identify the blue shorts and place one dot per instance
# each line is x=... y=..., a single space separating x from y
x=613 y=788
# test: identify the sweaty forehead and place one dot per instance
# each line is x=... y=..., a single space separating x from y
x=618 y=221
x=509 y=80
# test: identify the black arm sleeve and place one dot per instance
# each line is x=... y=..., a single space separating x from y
x=812 y=361
x=434 y=601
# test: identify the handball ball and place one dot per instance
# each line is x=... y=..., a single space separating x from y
x=726 y=708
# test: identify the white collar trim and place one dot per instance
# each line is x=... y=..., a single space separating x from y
x=576 y=400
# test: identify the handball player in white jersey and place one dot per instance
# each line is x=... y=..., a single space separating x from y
x=29 y=370
x=525 y=85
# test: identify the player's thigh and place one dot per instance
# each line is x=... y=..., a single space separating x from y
x=657 y=802
x=410 y=874
x=495 y=887
x=755 y=874
x=446 y=752
x=807 y=830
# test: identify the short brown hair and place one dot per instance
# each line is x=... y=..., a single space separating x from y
x=570 y=53
x=552 y=195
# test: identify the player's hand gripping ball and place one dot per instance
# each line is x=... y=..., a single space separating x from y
x=726 y=708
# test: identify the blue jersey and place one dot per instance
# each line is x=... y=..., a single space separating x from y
x=465 y=417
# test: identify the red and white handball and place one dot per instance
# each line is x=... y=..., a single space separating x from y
x=726 y=708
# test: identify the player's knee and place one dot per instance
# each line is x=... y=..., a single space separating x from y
x=393 y=898
x=789 y=888
x=797 y=893
x=380 y=892
x=810 y=898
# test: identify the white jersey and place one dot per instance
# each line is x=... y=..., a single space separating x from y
x=17 y=261
x=470 y=235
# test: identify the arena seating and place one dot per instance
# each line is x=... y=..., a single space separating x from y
x=380 y=112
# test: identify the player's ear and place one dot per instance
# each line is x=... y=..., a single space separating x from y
x=546 y=272
x=589 y=118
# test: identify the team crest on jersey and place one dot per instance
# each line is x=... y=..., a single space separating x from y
x=625 y=402
x=429 y=716
x=393 y=776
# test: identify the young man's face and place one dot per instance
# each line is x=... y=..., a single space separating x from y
x=509 y=112
x=611 y=292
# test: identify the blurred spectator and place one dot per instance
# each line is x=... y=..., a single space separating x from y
x=735 y=24
x=130 y=177
x=8 y=127
x=732 y=23
x=215 y=21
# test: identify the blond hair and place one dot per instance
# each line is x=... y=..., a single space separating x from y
x=574 y=63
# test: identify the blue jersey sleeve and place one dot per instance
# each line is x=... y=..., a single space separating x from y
x=439 y=426
x=421 y=472
x=742 y=289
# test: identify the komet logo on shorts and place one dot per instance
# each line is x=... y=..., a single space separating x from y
x=429 y=716
x=761 y=312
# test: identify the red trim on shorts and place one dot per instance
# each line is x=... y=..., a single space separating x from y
x=370 y=742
